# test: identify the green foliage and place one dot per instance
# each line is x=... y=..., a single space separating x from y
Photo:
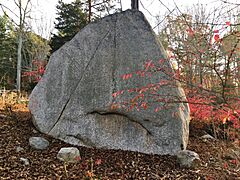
x=7 y=52
x=35 y=52
x=71 y=18
x=35 y=48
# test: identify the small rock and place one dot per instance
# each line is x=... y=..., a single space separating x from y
x=19 y=149
x=25 y=161
x=69 y=154
x=207 y=136
x=38 y=143
x=188 y=159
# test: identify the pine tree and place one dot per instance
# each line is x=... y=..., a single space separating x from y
x=8 y=59
x=71 y=18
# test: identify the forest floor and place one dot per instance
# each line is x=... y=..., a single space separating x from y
x=16 y=128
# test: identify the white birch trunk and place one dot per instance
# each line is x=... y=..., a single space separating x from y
x=19 y=61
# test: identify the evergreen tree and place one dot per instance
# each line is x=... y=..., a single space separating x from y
x=99 y=8
x=8 y=56
x=35 y=48
x=71 y=18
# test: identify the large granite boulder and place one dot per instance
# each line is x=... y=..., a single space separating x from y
x=72 y=102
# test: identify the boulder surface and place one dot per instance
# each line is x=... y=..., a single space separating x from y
x=73 y=100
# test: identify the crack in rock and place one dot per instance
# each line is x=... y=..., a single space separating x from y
x=64 y=107
x=101 y=113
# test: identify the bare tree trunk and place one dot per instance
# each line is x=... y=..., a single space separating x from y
x=120 y=1
x=19 y=61
x=238 y=80
x=89 y=10
x=134 y=4
x=200 y=71
x=23 y=11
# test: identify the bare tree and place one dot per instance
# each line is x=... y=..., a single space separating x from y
x=135 y=4
x=24 y=10
x=97 y=8
x=89 y=10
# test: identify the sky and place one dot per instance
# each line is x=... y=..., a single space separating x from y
x=44 y=11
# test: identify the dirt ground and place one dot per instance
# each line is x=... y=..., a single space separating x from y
x=16 y=128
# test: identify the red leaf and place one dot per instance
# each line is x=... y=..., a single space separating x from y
x=131 y=90
x=216 y=31
x=228 y=23
x=78 y=158
x=142 y=74
x=114 y=106
x=114 y=95
x=149 y=64
x=138 y=72
x=41 y=70
x=234 y=161
x=225 y=165
x=131 y=107
x=161 y=61
x=144 y=105
x=216 y=37
x=38 y=79
x=117 y=93
x=98 y=162
x=190 y=31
